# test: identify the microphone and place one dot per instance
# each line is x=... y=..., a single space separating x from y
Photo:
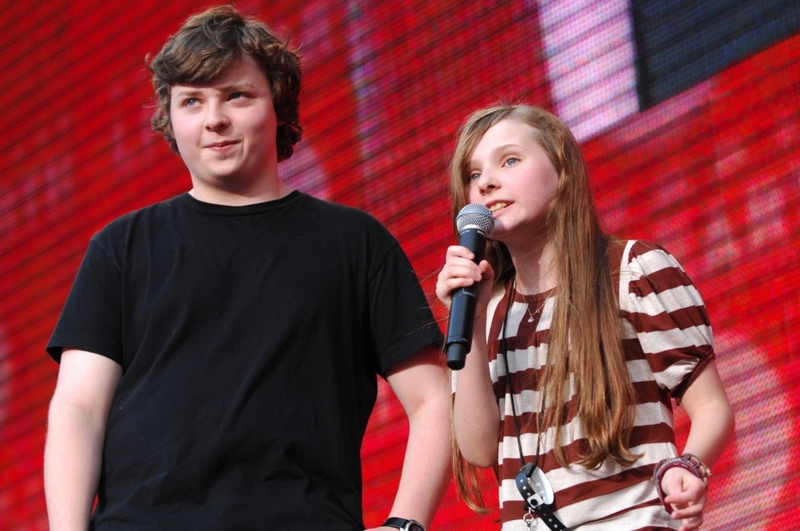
x=474 y=223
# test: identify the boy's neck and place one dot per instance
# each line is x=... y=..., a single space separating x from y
x=232 y=197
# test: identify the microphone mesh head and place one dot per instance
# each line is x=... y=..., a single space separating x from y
x=475 y=216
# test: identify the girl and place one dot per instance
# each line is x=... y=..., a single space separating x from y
x=581 y=341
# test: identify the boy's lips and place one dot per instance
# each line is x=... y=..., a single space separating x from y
x=220 y=145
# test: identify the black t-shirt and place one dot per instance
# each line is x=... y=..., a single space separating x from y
x=250 y=339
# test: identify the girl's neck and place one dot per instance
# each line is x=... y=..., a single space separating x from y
x=535 y=268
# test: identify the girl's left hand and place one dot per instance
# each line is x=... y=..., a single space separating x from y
x=686 y=494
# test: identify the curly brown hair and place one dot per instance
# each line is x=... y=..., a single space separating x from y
x=206 y=45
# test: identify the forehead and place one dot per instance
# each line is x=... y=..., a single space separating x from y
x=244 y=71
x=505 y=133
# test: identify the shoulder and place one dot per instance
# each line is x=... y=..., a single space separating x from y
x=130 y=226
x=343 y=223
x=645 y=258
x=337 y=211
x=647 y=268
x=145 y=214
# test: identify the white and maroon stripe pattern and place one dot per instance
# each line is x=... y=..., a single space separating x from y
x=667 y=337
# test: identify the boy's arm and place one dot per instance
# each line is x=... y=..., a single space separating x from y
x=76 y=430
x=421 y=385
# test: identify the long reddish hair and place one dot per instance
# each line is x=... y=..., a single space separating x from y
x=585 y=341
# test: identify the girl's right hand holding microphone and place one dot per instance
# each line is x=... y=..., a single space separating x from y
x=460 y=271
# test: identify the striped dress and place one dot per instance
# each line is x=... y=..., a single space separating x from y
x=667 y=339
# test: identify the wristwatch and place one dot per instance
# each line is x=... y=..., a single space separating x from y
x=404 y=524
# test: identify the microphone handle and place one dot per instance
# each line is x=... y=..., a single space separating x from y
x=462 y=308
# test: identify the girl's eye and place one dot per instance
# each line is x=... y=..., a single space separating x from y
x=510 y=161
x=473 y=177
x=188 y=102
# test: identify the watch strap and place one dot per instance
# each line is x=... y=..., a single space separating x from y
x=401 y=523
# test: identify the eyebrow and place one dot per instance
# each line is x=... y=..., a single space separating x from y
x=498 y=149
x=190 y=92
x=504 y=147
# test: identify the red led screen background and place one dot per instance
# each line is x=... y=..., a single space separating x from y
x=712 y=173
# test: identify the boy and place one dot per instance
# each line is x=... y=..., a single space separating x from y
x=219 y=350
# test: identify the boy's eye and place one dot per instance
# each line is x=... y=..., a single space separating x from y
x=511 y=161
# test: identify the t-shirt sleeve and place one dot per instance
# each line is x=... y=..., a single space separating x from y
x=667 y=314
x=91 y=317
x=400 y=316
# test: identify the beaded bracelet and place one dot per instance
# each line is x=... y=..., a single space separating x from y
x=689 y=462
